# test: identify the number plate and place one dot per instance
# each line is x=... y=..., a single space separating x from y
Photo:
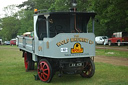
x=75 y=64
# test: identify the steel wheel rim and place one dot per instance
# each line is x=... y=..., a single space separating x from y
x=43 y=71
x=88 y=69
x=25 y=61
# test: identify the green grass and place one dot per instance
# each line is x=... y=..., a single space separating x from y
x=111 y=52
x=12 y=72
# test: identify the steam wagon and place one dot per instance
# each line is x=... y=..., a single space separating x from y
x=61 y=43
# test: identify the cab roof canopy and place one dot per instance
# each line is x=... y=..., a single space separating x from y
x=88 y=14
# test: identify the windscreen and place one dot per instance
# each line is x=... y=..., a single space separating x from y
x=105 y=37
x=59 y=24
x=67 y=23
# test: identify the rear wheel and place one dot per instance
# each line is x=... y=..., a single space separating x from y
x=44 y=70
x=118 y=43
x=89 y=69
x=29 y=64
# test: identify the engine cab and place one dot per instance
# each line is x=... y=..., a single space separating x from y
x=62 y=31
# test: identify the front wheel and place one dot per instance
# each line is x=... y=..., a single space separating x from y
x=109 y=43
x=44 y=70
x=89 y=69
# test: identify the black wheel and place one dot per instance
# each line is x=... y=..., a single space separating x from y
x=89 y=68
x=44 y=70
x=29 y=64
x=109 y=43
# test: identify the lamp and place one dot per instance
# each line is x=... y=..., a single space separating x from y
x=74 y=3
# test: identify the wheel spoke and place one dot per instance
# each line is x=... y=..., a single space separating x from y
x=45 y=77
x=42 y=68
x=41 y=65
x=46 y=74
x=42 y=74
x=89 y=69
x=88 y=73
x=45 y=69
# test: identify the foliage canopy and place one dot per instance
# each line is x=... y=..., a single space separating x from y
x=112 y=15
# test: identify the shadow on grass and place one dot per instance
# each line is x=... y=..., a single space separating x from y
x=65 y=79
x=68 y=79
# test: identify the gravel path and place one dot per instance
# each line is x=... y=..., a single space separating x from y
x=112 y=60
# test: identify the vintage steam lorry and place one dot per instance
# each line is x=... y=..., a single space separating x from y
x=61 y=43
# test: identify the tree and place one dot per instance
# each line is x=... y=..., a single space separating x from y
x=10 y=10
x=43 y=4
x=29 y=5
x=10 y=27
x=26 y=19
x=9 y=23
x=112 y=15
x=60 y=5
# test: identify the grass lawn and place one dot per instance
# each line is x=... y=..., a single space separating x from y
x=111 y=52
x=12 y=72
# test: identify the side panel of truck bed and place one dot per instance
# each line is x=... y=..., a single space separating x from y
x=26 y=44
